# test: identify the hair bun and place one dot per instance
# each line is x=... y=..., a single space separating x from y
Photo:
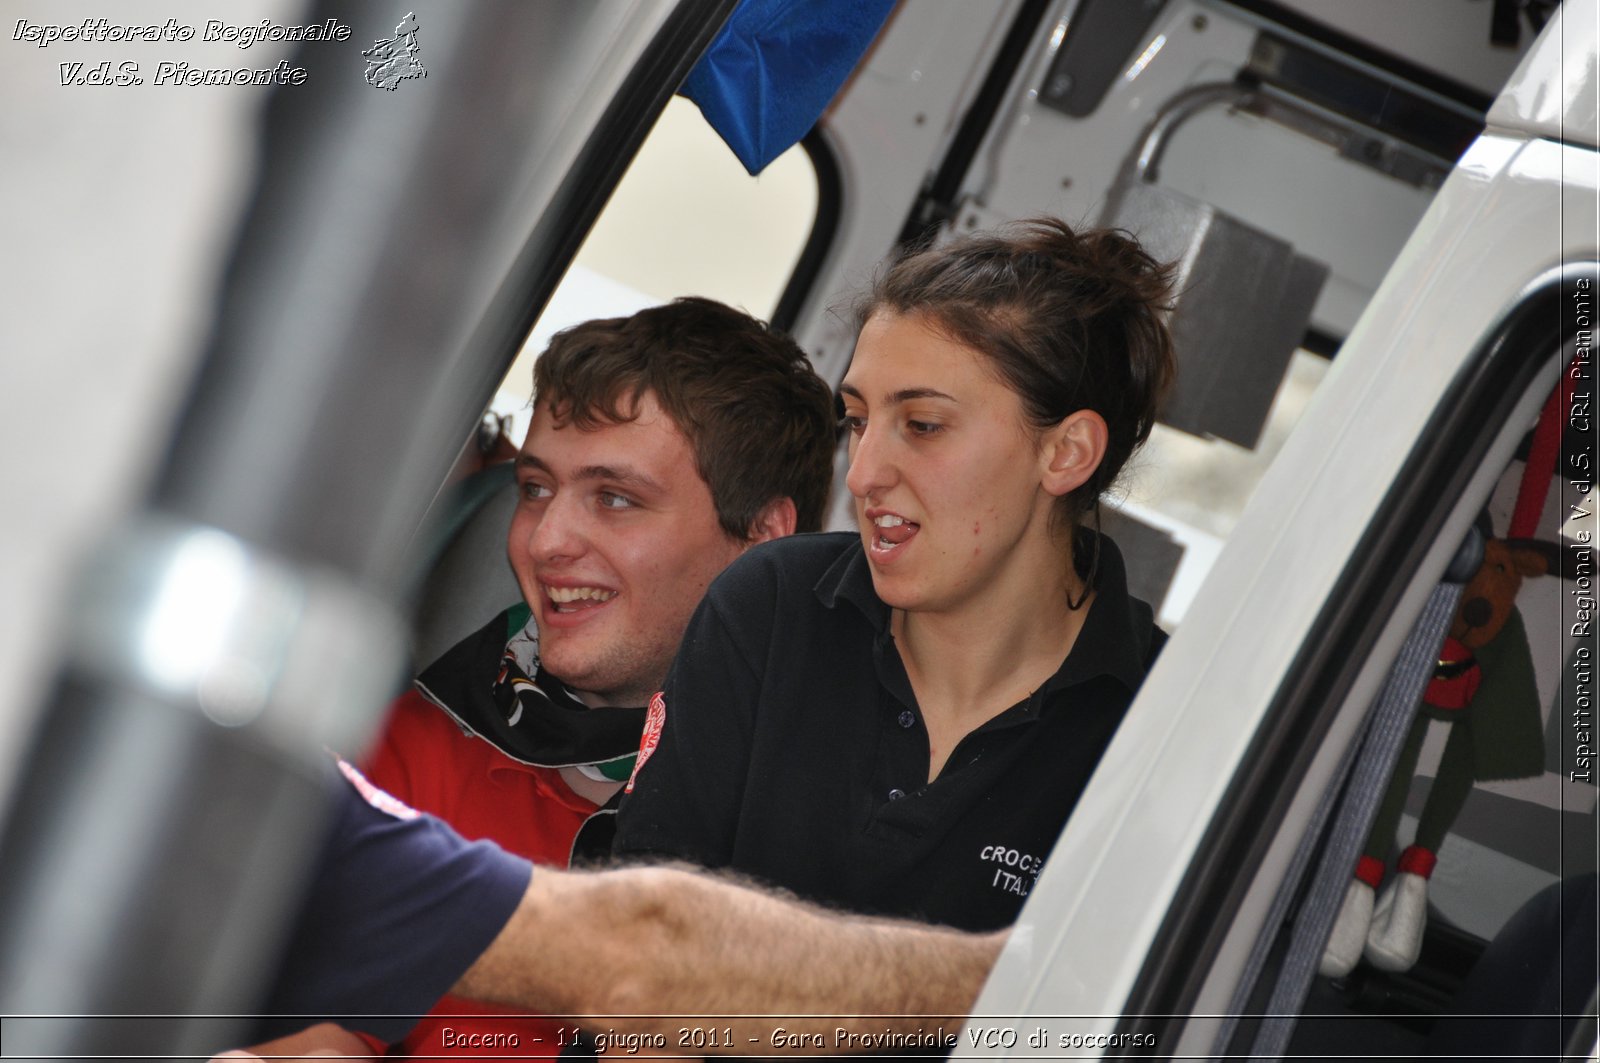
x=1073 y=320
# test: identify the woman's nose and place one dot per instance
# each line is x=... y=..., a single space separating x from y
x=871 y=463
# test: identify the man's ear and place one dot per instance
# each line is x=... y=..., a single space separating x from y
x=1071 y=451
x=776 y=519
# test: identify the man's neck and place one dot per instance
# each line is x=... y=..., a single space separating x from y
x=598 y=791
x=591 y=699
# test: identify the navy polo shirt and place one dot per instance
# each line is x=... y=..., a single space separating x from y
x=399 y=907
x=793 y=749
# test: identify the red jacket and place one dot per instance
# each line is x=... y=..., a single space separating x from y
x=425 y=759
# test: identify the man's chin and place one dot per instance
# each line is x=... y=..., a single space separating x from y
x=585 y=678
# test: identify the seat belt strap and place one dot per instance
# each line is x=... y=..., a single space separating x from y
x=1288 y=891
x=1389 y=721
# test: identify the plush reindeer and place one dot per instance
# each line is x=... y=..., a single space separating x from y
x=1483 y=687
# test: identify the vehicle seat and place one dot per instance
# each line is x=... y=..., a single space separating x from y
x=1540 y=965
x=467 y=579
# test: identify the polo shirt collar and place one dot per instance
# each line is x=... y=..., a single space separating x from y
x=849 y=579
x=1115 y=639
x=1116 y=634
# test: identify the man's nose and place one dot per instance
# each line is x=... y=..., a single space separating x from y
x=558 y=534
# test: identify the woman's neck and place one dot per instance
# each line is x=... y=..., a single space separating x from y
x=969 y=665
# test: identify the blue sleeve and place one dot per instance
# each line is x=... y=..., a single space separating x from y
x=399 y=907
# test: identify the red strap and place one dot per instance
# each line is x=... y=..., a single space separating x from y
x=1542 y=454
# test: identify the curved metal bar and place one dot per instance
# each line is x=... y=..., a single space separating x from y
x=1144 y=163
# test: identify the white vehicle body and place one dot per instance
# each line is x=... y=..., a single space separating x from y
x=1519 y=207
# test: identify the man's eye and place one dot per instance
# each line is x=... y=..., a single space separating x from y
x=854 y=423
x=612 y=500
x=535 y=492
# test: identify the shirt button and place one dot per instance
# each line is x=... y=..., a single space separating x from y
x=895 y=795
x=908 y=719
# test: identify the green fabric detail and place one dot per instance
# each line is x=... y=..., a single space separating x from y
x=619 y=770
x=517 y=619
x=1507 y=728
x=1451 y=787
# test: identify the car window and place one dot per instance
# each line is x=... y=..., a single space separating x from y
x=686 y=220
x=1473 y=893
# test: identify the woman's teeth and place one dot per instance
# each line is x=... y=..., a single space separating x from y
x=893 y=530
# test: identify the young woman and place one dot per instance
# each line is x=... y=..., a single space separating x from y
x=900 y=721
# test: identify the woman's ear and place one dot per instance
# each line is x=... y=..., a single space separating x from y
x=1072 y=451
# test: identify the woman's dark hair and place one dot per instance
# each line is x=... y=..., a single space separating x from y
x=1070 y=320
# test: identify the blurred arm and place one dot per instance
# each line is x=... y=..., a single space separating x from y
x=657 y=941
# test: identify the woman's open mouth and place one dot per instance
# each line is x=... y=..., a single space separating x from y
x=890 y=532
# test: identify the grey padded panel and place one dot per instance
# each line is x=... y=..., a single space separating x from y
x=1231 y=362
x=471 y=580
x=1150 y=555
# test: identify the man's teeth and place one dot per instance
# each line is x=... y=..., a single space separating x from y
x=562 y=595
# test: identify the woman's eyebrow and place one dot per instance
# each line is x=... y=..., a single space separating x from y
x=907 y=394
x=903 y=395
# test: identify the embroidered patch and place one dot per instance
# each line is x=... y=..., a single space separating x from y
x=381 y=800
x=1015 y=871
x=655 y=718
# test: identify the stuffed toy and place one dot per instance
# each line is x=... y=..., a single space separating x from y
x=1483 y=688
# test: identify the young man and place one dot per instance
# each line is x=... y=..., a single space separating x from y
x=662 y=446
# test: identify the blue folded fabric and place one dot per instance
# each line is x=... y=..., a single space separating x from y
x=771 y=72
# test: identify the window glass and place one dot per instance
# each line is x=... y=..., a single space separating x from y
x=1194 y=489
x=685 y=220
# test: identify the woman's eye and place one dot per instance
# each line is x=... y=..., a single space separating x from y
x=854 y=423
x=612 y=500
x=923 y=428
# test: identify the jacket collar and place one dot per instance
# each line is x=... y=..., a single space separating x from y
x=491 y=682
